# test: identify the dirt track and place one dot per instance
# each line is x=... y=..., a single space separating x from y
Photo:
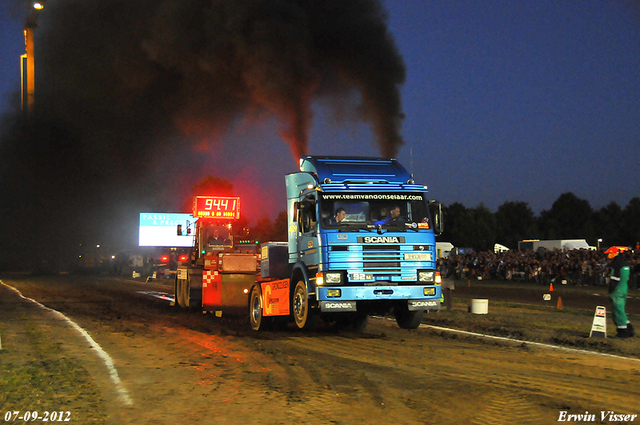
x=184 y=367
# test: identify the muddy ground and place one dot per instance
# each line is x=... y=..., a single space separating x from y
x=176 y=366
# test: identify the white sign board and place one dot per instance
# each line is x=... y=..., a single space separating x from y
x=160 y=229
x=599 y=327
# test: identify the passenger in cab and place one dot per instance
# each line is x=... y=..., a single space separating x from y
x=394 y=216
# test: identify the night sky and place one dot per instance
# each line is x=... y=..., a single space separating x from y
x=486 y=102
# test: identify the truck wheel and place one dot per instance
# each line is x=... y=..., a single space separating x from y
x=303 y=315
x=408 y=319
x=355 y=322
x=186 y=295
x=180 y=292
x=175 y=292
x=359 y=322
x=256 y=319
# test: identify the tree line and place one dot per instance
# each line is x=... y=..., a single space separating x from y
x=479 y=228
x=568 y=218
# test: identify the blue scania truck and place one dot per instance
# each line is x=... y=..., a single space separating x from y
x=361 y=241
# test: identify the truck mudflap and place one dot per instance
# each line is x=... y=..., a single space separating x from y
x=414 y=305
x=337 y=306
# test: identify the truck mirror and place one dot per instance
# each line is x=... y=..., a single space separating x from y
x=438 y=225
x=304 y=205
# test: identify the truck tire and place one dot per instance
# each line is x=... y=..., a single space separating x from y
x=186 y=295
x=359 y=322
x=355 y=322
x=408 y=319
x=303 y=315
x=256 y=319
x=175 y=292
x=180 y=293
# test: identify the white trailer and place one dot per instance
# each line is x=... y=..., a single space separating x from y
x=443 y=249
x=562 y=244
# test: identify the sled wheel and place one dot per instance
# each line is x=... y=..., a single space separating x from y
x=180 y=292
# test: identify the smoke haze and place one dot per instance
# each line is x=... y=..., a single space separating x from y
x=122 y=82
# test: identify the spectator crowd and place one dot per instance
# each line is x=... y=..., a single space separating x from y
x=576 y=266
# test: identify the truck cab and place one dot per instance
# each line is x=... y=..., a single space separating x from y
x=361 y=241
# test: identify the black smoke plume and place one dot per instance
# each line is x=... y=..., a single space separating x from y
x=125 y=69
x=119 y=82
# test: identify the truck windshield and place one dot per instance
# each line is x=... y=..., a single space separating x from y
x=387 y=209
x=215 y=237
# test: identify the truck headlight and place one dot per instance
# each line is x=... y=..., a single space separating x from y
x=333 y=278
x=426 y=275
x=328 y=278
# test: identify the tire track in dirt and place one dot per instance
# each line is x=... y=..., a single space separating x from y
x=183 y=367
x=536 y=383
x=321 y=391
x=503 y=409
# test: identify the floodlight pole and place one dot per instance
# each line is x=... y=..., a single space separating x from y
x=28 y=59
x=23 y=59
x=31 y=74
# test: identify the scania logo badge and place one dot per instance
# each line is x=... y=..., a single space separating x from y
x=381 y=239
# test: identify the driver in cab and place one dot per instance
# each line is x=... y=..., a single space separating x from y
x=394 y=216
x=216 y=239
x=340 y=215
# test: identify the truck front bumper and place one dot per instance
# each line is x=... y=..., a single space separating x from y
x=347 y=296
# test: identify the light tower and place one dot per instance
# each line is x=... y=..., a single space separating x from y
x=28 y=60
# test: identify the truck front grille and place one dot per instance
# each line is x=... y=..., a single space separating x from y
x=383 y=261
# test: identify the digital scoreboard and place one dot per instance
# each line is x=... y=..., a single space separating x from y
x=222 y=207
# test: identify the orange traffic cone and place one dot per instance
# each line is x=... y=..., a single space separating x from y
x=551 y=287
x=560 y=306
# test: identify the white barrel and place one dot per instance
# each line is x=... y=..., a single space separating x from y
x=479 y=306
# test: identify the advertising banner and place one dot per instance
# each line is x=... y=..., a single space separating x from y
x=160 y=229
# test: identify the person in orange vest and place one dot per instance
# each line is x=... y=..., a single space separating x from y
x=618 y=289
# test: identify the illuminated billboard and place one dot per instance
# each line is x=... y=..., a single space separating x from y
x=160 y=229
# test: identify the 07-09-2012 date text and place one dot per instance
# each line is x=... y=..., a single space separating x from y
x=33 y=416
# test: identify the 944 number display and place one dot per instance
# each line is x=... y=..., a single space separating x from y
x=33 y=416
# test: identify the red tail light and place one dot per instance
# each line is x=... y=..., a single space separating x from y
x=164 y=258
x=183 y=257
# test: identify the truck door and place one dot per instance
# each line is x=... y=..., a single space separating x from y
x=308 y=234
